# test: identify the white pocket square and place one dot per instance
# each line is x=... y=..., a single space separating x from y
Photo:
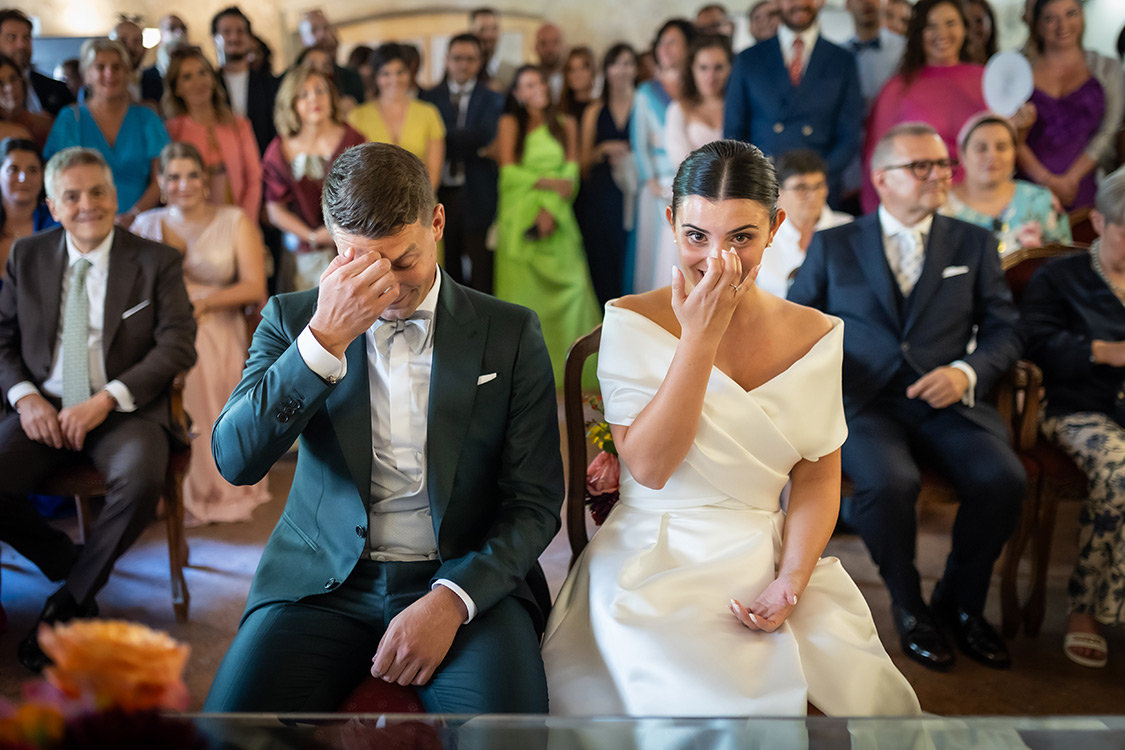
x=954 y=271
x=486 y=378
x=135 y=309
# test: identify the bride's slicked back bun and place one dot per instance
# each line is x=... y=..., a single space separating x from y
x=726 y=170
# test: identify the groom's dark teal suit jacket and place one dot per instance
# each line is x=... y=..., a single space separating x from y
x=494 y=471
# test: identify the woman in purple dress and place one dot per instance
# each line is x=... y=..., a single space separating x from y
x=1074 y=125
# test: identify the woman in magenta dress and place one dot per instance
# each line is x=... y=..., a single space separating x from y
x=935 y=84
x=1075 y=124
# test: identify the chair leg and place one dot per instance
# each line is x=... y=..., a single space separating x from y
x=177 y=546
x=1009 y=577
x=1035 y=608
x=85 y=518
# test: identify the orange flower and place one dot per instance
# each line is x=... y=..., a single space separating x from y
x=117 y=663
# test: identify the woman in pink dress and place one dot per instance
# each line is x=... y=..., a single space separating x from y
x=224 y=271
x=936 y=84
x=198 y=113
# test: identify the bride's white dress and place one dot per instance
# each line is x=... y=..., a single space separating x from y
x=641 y=626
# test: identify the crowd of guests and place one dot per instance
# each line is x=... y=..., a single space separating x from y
x=556 y=176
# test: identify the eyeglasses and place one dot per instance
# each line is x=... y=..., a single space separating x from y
x=923 y=168
x=805 y=190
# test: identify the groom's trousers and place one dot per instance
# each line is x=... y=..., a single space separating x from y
x=307 y=656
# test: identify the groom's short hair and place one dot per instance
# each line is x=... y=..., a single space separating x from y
x=374 y=190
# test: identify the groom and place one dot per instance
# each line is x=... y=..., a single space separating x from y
x=429 y=478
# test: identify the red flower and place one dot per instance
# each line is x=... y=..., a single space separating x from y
x=603 y=475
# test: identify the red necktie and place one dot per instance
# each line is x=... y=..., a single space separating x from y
x=797 y=63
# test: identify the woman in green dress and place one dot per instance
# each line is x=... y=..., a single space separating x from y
x=540 y=262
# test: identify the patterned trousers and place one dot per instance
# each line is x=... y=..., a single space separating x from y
x=1097 y=444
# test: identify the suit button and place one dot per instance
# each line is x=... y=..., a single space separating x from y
x=778 y=127
x=905 y=346
x=330 y=583
x=806 y=130
x=361 y=531
x=282 y=417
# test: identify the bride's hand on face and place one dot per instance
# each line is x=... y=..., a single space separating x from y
x=770 y=609
x=706 y=310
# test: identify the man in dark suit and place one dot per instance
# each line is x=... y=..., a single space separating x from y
x=94 y=325
x=468 y=182
x=43 y=94
x=915 y=290
x=251 y=92
x=797 y=90
x=430 y=478
x=317 y=31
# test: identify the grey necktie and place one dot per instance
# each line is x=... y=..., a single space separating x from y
x=910 y=260
x=414 y=328
x=75 y=349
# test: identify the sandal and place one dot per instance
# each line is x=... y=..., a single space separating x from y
x=1092 y=641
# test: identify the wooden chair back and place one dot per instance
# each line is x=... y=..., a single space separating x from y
x=575 y=419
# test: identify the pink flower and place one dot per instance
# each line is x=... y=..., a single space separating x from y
x=603 y=475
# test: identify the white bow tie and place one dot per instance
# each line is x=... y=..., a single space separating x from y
x=415 y=328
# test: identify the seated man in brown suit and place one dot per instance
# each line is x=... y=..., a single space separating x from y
x=94 y=324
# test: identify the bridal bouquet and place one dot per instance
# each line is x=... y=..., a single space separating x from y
x=109 y=682
x=603 y=475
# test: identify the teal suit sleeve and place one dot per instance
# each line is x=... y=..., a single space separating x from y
x=275 y=399
x=529 y=483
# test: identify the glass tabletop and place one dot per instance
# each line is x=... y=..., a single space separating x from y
x=433 y=732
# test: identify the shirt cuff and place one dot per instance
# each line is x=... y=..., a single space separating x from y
x=122 y=395
x=19 y=390
x=969 y=398
x=320 y=360
x=468 y=600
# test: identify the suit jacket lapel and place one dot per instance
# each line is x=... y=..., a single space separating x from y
x=50 y=291
x=459 y=339
x=444 y=104
x=871 y=256
x=940 y=247
x=349 y=406
x=122 y=271
x=813 y=69
x=780 y=70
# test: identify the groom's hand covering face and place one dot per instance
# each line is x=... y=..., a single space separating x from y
x=354 y=291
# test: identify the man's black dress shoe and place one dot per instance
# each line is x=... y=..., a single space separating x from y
x=60 y=607
x=922 y=640
x=974 y=636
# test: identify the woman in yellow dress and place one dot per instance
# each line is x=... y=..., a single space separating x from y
x=396 y=117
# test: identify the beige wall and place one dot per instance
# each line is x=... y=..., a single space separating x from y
x=595 y=22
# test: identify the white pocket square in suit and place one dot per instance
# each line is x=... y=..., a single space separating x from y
x=486 y=378
x=135 y=309
x=949 y=271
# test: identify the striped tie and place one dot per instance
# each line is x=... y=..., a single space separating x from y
x=75 y=349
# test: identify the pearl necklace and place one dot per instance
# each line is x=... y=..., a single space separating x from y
x=1096 y=264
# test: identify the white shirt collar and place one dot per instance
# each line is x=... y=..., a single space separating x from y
x=786 y=37
x=462 y=88
x=892 y=226
x=99 y=256
x=429 y=303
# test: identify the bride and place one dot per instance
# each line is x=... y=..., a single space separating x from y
x=699 y=596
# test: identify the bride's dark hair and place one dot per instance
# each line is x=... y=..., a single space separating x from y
x=725 y=170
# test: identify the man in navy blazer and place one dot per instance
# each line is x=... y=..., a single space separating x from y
x=797 y=90
x=468 y=181
x=429 y=478
x=929 y=329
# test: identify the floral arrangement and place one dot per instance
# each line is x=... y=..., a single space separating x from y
x=603 y=475
x=109 y=682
